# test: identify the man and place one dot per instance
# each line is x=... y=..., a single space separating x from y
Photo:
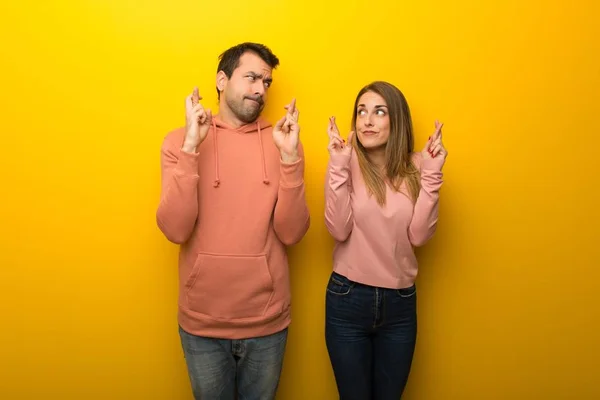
x=233 y=197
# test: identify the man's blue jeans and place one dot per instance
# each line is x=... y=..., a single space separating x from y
x=220 y=369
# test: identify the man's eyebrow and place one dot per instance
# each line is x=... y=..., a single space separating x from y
x=269 y=80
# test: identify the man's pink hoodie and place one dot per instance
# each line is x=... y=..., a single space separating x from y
x=233 y=207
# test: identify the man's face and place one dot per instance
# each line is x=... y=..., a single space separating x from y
x=245 y=93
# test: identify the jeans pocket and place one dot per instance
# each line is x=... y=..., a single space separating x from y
x=339 y=285
x=407 y=292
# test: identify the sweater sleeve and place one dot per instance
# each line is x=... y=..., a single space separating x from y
x=425 y=215
x=291 y=218
x=178 y=207
x=338 y=209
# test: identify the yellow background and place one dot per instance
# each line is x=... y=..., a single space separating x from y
x=508 y=289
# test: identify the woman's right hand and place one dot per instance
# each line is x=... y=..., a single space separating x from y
x=337 y=145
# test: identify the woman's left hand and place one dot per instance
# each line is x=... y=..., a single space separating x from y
x=434 y=148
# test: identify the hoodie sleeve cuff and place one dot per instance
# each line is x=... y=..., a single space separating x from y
x=432 y=164
x=339 y=160
x=292 y=175
x=187 y=163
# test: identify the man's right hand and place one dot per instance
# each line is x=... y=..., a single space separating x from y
x=197 y=121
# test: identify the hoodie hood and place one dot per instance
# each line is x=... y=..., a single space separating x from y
x=251 y=128
x=260 y=123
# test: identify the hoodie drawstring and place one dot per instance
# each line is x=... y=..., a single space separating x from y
x=262 y=154
x=216 y=153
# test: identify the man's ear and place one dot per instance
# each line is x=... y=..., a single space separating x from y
x=221 y=81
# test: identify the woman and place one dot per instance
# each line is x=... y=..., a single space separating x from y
x=381 y=200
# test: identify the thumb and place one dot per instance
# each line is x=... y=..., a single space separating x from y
x=428 y=144
x=350 y=137
x=280 y=123
x=208 y=116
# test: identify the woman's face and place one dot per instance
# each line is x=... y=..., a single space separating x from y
x=372 y=121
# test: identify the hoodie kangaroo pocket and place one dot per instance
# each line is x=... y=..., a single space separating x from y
x=230 y=287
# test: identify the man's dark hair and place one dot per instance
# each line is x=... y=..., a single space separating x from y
x=229 y=60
